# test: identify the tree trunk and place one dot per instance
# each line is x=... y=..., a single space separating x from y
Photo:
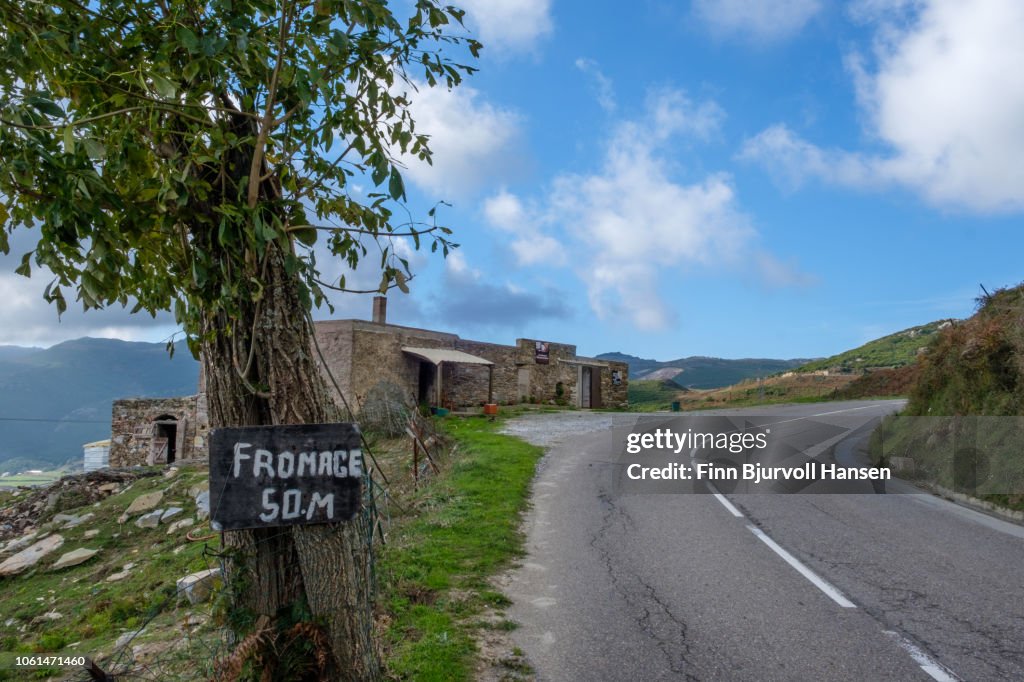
x=259 y=369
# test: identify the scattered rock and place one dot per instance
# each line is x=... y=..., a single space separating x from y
x=150 y=520
x=194 y=620
x=171 y=512
x=171 y=473
x=197 y=586
x=144 y=502
x=203 y=505
x=109 y=488
x=75 y=557
x=91 y=533
x=123 y=640
x=178 y=525
x=125 y=571
x=70 y=520
x=194 y=491
x=28 y=557
x=22 y=542
x=49 y=616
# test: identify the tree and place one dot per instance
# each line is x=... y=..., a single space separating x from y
x=186 y=155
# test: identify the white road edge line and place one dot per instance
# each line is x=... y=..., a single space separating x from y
x=935 y=670
x=725 y=501
x=829 y=590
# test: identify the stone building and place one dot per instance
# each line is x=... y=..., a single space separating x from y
x=442 y=369
x=158 y=430
x=427 y=367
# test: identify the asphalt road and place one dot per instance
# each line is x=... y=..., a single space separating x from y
x=620 y=585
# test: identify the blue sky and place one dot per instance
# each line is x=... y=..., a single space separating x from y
x=785 y=178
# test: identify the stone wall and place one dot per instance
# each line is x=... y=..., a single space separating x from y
x=615 y=394
x=133 y=433
x=468 y=383
x=362 y=355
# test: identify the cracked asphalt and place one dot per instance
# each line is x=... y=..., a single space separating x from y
x=640 y=587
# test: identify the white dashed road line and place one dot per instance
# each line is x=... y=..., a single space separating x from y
x=935 y=670
x=830 y=591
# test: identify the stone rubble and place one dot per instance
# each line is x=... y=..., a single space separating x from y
x=30 y=556
x=197 y=586
x=150 y=520
x=75 y=557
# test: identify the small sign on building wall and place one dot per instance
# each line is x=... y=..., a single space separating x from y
x=263 y=476
x=541 y=354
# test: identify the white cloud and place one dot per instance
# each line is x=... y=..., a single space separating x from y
x=529 y=243
x=603 y=84
x=31 y=321
x=945 y=99
x=762 y=20
x=793 y=160
x=509 y=25
x=472 y=140
x=671 y=112
x=632 y=220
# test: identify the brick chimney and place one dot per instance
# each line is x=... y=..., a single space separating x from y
x=380 y=309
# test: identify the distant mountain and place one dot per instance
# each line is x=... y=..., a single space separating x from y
x=55 y=399
x=704 y=372
x=894 y=350
x=15 y=352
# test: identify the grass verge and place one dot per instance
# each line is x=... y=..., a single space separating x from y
x=436 y=568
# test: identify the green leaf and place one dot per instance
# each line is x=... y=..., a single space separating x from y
x=396 y=187
x=190 y=71
x=163 y=87
x=379 y=173
x=187 y=38
x=305 y=236
x=94 y=148
x=25 y=269
x=44 y=106
x=69 y=140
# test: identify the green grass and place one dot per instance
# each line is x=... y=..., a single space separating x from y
x=651 y=395
x=32 y=480
x=437 y=565
x=894 y=350
x=96 y=612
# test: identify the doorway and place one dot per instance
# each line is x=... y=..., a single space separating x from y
x=165 y=439
x=425 y=386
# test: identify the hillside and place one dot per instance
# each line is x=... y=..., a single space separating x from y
x=974 y=367
x=52 y=400
x=894 y=350
x=954 y=432
x=704 y=372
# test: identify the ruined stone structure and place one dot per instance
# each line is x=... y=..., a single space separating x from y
x=158 y=430
x=428 y=367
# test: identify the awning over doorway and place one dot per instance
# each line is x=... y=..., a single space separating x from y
x=436 y=356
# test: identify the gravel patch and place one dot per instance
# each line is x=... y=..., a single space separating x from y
x=552 y=428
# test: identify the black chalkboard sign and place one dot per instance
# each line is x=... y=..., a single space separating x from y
x=263 y=476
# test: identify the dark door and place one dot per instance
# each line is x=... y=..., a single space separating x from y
x=425 y=390
x=166 y=439
x=595 y=387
